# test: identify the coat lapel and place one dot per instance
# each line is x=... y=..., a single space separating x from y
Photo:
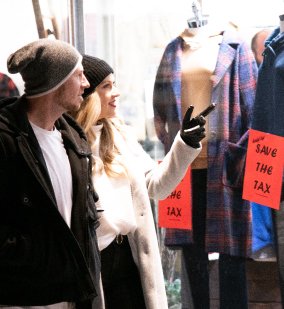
x=227 y=54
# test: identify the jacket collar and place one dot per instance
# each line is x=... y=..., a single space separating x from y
x=13 y=115
x=73 y=135
x=227 y=54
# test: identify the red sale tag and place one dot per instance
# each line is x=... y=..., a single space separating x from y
x=264 y=169
x=175 y=210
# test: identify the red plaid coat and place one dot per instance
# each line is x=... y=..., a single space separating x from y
x=228 y=224
x=7 y=87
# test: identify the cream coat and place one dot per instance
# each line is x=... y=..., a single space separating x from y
x=150 y=179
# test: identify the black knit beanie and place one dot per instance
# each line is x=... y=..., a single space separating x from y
x=96 y=70
x=44 y=65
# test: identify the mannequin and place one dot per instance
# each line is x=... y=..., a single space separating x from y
x=268 y=117
x=262 y=226
x=196 y=68
x=199 y=59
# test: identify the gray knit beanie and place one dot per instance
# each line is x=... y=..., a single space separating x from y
x=44 y=65
x=96 y=70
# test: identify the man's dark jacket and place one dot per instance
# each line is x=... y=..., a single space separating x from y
x=42 y=260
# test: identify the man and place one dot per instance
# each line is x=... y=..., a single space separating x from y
x=48 y=250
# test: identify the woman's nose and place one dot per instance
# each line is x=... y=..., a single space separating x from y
x=115 y=92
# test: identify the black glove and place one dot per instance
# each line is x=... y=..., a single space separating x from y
x=193 y=136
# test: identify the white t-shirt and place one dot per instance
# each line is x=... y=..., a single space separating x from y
x=59 y=169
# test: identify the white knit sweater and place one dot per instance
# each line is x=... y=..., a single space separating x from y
x=115 y=200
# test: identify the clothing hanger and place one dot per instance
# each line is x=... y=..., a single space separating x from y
x=198 y=19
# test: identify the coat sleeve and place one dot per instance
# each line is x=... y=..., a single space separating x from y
x=166 y=94
x=161 y=88
x=162 y=178
x=165 y=176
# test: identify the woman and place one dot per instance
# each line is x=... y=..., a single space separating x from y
x=124 y=177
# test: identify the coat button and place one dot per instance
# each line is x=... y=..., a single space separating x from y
x=26 y=201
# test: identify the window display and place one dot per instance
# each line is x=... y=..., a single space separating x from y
x=157 y=49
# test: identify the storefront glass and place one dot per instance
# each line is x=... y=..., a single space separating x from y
x=132 y=36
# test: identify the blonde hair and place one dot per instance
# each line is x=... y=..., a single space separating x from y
x=87 y=117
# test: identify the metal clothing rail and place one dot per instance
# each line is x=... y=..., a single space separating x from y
x=39 y=20
x=77 y=24
x=75 y=27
